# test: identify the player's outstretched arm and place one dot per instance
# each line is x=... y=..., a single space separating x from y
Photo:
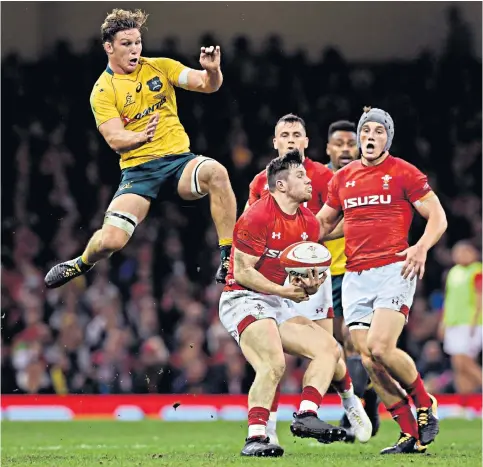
x=209 y=79
x=121 y=140
x=430 y=208
x=329 y=218
x=246 y=275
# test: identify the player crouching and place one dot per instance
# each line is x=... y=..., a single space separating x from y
x=257 y=309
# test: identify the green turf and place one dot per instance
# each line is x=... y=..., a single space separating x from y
x=156 y=443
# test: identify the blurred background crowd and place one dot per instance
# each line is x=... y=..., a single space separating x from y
x=147 y=320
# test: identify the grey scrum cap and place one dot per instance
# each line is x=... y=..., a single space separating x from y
x=379 y=116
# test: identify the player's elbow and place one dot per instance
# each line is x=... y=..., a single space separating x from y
x=117 y=145
x=240 y=273
x=113 y=143
x=444 y=222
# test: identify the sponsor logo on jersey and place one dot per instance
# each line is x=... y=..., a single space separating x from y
x=370 y=200
x=269 y=253
x=150 y=109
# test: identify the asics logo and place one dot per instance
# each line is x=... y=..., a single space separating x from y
x=367 y=201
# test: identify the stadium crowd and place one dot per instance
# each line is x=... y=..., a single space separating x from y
x=147 y=320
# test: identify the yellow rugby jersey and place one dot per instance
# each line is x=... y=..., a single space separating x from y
x=337 y=250
x=134 y=97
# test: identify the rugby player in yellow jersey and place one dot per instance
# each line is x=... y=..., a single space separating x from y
x=342 y=150
x=134 y=105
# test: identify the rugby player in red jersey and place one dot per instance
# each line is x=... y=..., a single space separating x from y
x=376 y=195
x=256 y=307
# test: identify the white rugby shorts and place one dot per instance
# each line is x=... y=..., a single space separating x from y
x=459 y=340
x=240 y=308
x=383 y=287
x=319 y=305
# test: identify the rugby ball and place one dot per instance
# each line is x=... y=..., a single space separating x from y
x=299 y=257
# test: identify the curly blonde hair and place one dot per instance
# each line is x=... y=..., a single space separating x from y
x=121 y=20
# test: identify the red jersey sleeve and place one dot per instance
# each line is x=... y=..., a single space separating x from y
x=478 y=282
x=251 y=233
x=321 y=181
x=333 y=199
x=255 y=189
x=415 y=183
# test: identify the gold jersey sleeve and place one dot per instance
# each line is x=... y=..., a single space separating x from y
x=134 y=98
x=171 y=67
x=103 y=102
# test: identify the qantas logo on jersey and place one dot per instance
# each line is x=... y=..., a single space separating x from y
x=145 y=112
x=370 y=200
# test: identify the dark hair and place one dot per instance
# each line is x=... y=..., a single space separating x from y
x=121 y=20
x=291 y=118
x=342 y=125
x=278 y=167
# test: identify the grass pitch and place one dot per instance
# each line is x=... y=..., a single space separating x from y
x=157 y=443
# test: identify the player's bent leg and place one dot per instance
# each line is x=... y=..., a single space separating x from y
x=122 y=216
x=358 y=423
x=360 y=380
x=385 y=330
x=203 y=176
x=261 y=346
x=301 y=337
x=391 y=394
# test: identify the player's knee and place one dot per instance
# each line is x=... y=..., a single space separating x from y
x=349 y=347
x=217 y=176
x=329 y=348
x=378 y=350
x=113 y=241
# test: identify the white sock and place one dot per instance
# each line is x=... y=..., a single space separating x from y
x=348 y=398
x=272 y=422
x=257 y=430
x=308 y=405
x=347 y=394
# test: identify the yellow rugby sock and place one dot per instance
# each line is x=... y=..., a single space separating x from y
x=84 y=260
x=225 y=242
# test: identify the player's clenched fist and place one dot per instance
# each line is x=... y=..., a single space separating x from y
x=151 y=127
x=210 y=58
